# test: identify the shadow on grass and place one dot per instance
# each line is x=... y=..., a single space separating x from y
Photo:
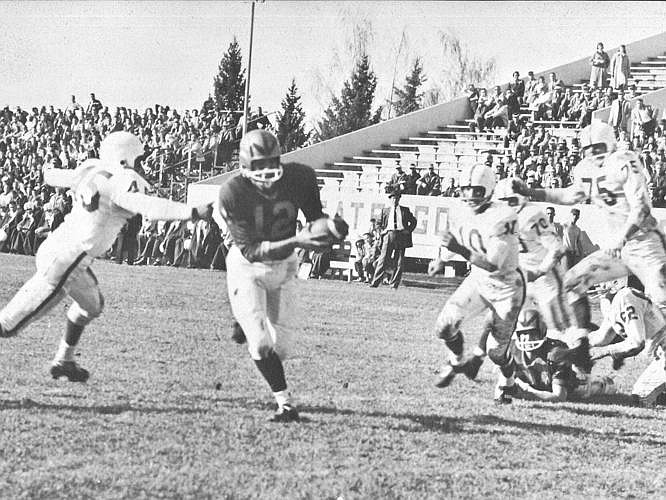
x=29 y=404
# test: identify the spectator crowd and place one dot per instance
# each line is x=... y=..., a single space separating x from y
x=47 y=137
x=531 y=114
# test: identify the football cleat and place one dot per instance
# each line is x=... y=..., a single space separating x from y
x=285 y=414
x=447 y=374
x=471 y=367
x=238 y=335
x=69 y=369
x=504 y=393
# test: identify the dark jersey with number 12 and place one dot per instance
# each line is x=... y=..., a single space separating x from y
x=253 y=217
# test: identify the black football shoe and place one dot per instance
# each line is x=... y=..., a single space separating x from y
x=448 y=373
x=237 y=334
x=471 y=367
x=69 y=369
x=504 y=394
x=285 y=414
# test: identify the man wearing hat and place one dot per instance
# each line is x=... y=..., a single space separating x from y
x=412 y=179
x=430 y=184
x=396 y=225
x=398 y=180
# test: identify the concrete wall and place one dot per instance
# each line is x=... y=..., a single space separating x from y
x=412 y=124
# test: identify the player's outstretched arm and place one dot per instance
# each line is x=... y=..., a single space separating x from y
x=558 y=394
x=155 y=208
x=633 y=344
x=561 y=196
x=59 y=177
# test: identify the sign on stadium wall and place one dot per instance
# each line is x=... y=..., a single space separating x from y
x=432 y=214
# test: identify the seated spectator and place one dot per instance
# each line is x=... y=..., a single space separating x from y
x=472 y=97
x=451 y=191
x=643 y=123
x=623 y=143
x=554 y=82
x=411 y=180
x=398 y=180
x=484 y=104
x=430 y=184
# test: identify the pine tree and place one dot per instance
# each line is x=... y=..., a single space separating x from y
x=353 y=110
x=409 y=98
x=290 y=121
x=229 y=83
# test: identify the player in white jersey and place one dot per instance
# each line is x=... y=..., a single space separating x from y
x=616 y=182
x=541 y=250
x=640 y=324
x=486 y=237
x=107 y=192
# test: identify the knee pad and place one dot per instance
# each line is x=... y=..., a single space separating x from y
x=82 y=317
x=448 y=323
x=500 y=355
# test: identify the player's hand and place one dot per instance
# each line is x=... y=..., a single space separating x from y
x=520 y=187
x=310 y=241
x=436 y=266
x=597 y=353
x=451 y=243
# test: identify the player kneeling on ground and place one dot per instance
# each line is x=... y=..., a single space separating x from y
x=639 y=324
x=107 y=192
x=260 y=207
x=487 y=238
x=542 y=375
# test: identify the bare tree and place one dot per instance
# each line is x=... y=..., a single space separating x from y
x=460 y=68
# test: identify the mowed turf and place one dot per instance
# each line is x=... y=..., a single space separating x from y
x=174 y=409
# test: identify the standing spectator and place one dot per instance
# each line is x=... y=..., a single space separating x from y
x=517 y=86
x=577 y=243
x=600 y=62
x=396 y=225
x=530 y=88
x=430 y=184
x=93 y=106
x=550 y=212
x=620 y=113
x=483 y=105
x=620 y=68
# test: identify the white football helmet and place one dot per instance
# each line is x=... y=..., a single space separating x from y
x=477 y=183
x=530 y=329
x=120 y=150
x=504 y=192
x=597 y=140
x=255 y=146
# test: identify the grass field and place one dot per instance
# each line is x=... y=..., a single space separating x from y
x=174 y=409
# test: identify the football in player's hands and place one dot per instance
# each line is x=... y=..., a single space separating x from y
x=333 y=229
x=436 y=266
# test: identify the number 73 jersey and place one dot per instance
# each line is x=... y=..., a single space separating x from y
x=492 y=233
x=618 y=186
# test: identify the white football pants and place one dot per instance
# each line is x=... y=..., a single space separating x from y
x=262 y=297
x=59 y=273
